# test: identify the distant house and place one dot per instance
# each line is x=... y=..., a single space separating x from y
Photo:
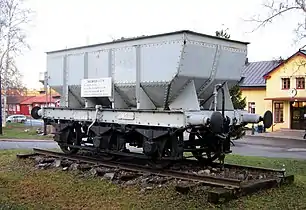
x=24 y=104
x=278 y=86
x=41 y=101
x=13 y=104
x=253 y=86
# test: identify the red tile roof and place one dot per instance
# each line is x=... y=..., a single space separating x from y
x=16 y=99
x=38 y=99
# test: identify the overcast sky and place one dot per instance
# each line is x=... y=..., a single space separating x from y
x=68 y=23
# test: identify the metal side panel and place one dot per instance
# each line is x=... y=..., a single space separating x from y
x=59 y=89
x=157 y=93
x=98 y=64
x=198 y=84
x=177 y=86
x=65 y=89
x=74 y=97
x=197 y=60
x=187 y=99
x=232 y=56
x=161 y=119
x=124 y=71
x=145 y=101
x=228 y=101
x=223 y=42
x=206 y=98
x=159 y=62
x=127 y=93
x=55 y=70
x=119 y=103
x=119 y=45
x=231 y=64
x=211 y=79
x=75 y=68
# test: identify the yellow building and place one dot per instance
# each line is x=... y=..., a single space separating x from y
x=37 y=92
x=278 y=86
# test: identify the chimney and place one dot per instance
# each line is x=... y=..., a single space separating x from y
x=246 y=61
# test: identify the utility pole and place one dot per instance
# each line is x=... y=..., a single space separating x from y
x=46 y=90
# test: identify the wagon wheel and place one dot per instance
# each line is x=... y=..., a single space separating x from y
x=103 y=155
x=160 y=164
x=210 y=156
x=167 y=152
x=72 y=138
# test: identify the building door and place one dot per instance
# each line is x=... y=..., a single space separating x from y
x=24 y=109
x=298 y=112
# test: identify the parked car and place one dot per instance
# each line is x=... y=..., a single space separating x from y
x=32 y=122
x=16 y=119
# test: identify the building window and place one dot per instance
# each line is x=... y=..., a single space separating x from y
x=278 y=112
x=285 y=83
x=251 y=107
x=300 y=83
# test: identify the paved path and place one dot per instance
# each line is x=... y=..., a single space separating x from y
x=27 y=144
x=269 y=151
x=247 y=146
x=280 y=134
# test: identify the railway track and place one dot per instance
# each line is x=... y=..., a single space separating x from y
x=205 y=179
x=226 y=188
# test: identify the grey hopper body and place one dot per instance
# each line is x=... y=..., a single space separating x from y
x=176 y=71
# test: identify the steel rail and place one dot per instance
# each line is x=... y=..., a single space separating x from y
x=208 y=180
x=231 y=165
x=189 y=161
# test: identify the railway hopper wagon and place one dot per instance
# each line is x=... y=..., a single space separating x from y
x=166 y=93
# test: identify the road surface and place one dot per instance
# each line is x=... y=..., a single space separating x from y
x=247 y=146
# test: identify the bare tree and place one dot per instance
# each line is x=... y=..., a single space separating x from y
x=13 y=18
x=12 y=76
x=273 y=9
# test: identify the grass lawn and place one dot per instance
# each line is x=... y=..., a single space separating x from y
x=23 y=187
x=17 y=131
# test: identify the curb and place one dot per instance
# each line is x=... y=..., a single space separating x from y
x=276 y=137
x=27 y=140
x=273 y=142
x=259 y=144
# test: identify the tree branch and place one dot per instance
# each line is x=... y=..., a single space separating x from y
x=13 y=16
x=283 y=7
x=270 y=18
